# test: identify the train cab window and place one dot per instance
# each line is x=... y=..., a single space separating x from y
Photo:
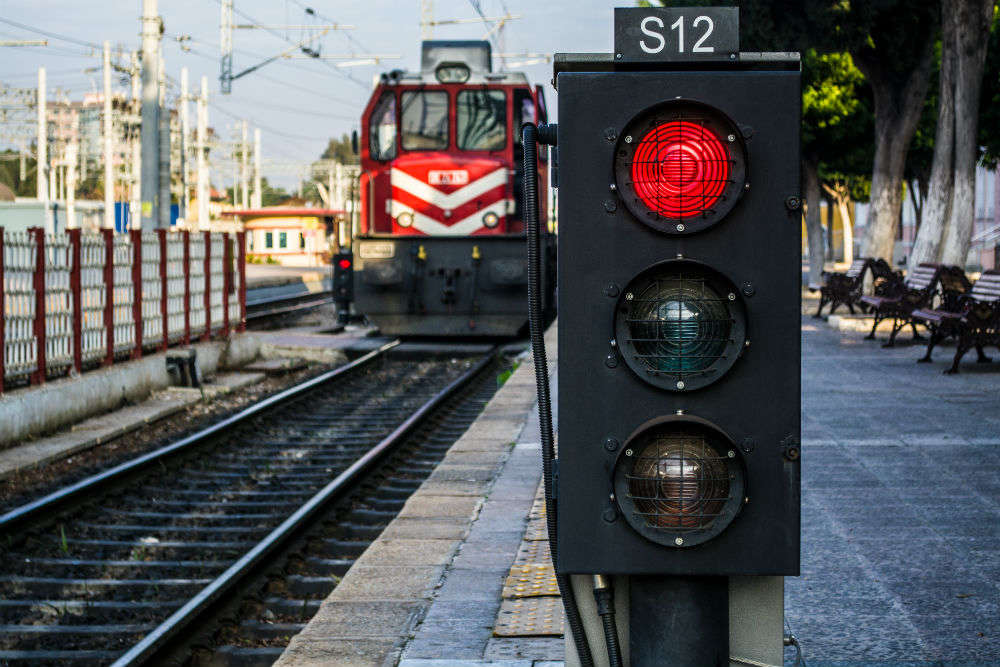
x=482 y=120
x=382 y=128
x=425 y=120
x=524 y=112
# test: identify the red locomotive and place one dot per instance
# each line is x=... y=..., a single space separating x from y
x=441 y=247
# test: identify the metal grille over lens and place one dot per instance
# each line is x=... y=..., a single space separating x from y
x=680 y=325
x=680 y=166
x=680 y=169
x=679 y=482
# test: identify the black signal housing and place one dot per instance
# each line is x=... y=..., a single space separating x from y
x=734 y=349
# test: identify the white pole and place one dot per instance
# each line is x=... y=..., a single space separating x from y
x=245 y=169
x=109 y=174
x=258 y=193
x=135 y=173
x=150 y=116
x=202 y=167
x=186 y=196
x=42 y=164
x=71 y=155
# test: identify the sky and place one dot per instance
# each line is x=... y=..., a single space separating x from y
x=298 y=103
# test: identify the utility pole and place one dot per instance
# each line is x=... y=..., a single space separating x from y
x=186 y=195
x=245 y=169
x=258 y=195
x=226 y=46
x=135 y=173
x=150 y=115
x=72 y=150
x=163 y=219
x=42 y=164
x=109 y=174
x=203 y=184
x=426 y=20
x=22 y=171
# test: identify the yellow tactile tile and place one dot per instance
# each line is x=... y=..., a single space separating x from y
x=530 y=617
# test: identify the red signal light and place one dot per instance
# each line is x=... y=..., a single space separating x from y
x=680 y=169
x=344 y=264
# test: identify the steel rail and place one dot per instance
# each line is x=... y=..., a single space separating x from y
x=34 y=510
x=289 y=304
x=147 y=649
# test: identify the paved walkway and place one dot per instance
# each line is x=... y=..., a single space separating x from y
x=900 y=506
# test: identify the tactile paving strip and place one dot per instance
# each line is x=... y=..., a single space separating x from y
x=537 y=526
x=531 y=606
x=530 y=617
x=530 y=580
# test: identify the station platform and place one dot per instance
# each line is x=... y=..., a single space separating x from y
x=900 y=536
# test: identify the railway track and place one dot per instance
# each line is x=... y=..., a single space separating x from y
x=260 y=310
x=217 y=548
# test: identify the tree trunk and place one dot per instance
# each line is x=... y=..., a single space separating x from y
x=898 y=106
x=937 y=208
x=830 y=254
x=841 y=197
x=974 y=17
x=814 y=225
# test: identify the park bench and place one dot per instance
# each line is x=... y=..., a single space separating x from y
x=846 y=288
x=973 y=319
x=920 y=287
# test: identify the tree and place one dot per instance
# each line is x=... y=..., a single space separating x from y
x=340 y=150
x=892 y=43
x=834 y=131
x=974 y=18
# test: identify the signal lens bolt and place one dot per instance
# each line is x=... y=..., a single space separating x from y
x=680 y=227
x=680 y=384
x=628 y=138
x=679 y=541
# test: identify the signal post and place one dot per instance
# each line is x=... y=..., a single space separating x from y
x=679 y=288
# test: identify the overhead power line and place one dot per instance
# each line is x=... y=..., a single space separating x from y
x=53 y=35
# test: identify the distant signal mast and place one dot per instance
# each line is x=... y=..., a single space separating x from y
x=307 y=45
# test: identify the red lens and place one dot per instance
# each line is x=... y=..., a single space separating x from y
x=680 y=169
x=345 y=264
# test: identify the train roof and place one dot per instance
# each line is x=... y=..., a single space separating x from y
x=474 y=54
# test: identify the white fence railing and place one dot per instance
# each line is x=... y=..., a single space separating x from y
x=72 y=300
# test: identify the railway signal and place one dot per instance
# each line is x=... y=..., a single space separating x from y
x=343 y=283
x=679 y=283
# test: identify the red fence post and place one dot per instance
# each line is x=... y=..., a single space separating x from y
x=38 y=376
x=76 y=290
x=241 y=239
x=227 y=281
x=136 y=235
x=207 y=268
x=109 y=296
x=3 y=317
x=162 y=233
x=187 y=287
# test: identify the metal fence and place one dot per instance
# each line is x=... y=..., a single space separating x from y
x=73 y=301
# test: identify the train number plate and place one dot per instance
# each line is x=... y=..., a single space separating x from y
x=377 y=250
x=452 y=177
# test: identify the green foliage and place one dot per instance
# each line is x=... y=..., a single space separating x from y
x=989 y=101
x=340 y=150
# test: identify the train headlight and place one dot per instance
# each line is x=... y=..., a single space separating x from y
x=452 y=73
x=404 y=219
x=491 y=219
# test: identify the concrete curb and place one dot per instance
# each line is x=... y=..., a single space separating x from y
x=53 y=405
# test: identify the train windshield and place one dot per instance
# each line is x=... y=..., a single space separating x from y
x=482 y=120
x=382 y=131
x=425 y=120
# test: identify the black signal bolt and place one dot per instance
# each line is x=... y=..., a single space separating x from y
x=793 y=203
x=611 y=290
x=610 y=206
x=610 y=134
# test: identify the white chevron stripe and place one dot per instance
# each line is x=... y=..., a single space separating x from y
x=462 y=227
x=403 y=181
